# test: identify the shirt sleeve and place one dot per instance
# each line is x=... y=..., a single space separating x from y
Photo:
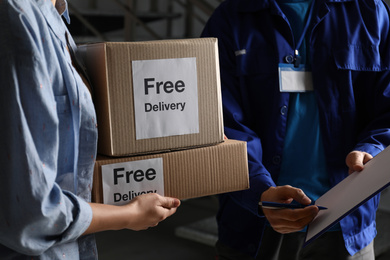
x=236 y=119
x=36 y=213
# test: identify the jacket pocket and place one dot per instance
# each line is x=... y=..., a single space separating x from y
x=255 y=61
x=360 y=58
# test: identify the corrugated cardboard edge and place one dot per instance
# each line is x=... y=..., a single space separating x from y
x=96 y=57
x=200 y=172
x=219 y=89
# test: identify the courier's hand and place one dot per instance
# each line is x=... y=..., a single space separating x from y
x=149 y=209
x=288 y=220
x=356 y=160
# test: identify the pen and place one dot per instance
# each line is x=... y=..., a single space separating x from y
x=275 y=205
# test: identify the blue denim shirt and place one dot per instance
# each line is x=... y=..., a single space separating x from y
x=48 y=137
x=349 y=45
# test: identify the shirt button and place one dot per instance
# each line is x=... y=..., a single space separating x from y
x=276 y=160
x=283 y=110
x=289 y=59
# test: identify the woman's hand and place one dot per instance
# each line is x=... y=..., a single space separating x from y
x=139 y=214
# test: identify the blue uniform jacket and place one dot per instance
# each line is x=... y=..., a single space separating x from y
x=350 y=56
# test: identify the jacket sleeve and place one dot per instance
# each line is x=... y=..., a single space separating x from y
x=236 y=119
x=375 y=112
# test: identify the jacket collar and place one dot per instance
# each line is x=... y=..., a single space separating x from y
x=256 y=5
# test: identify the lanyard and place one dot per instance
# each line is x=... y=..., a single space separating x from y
x=297 y=58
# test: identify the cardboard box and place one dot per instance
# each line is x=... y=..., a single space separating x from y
x=185 y=174
x=155 y=96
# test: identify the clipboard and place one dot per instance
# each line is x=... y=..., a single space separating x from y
x=350 y=193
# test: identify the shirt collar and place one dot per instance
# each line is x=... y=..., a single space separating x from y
x=53 y=16
x=62 y=8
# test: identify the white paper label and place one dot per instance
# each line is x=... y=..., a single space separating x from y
x=165 y=97
x=292 y=79
x=124 y=181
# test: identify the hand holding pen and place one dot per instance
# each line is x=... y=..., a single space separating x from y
x=286 y=220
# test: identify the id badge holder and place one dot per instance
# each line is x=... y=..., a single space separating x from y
x=294 y=79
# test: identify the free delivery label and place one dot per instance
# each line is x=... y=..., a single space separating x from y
x=124 y=181
x=165 y=97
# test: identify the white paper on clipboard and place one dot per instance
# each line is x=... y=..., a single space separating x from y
x=350 y=193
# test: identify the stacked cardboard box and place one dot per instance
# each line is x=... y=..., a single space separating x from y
x=159 y=108
x=182 y=174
